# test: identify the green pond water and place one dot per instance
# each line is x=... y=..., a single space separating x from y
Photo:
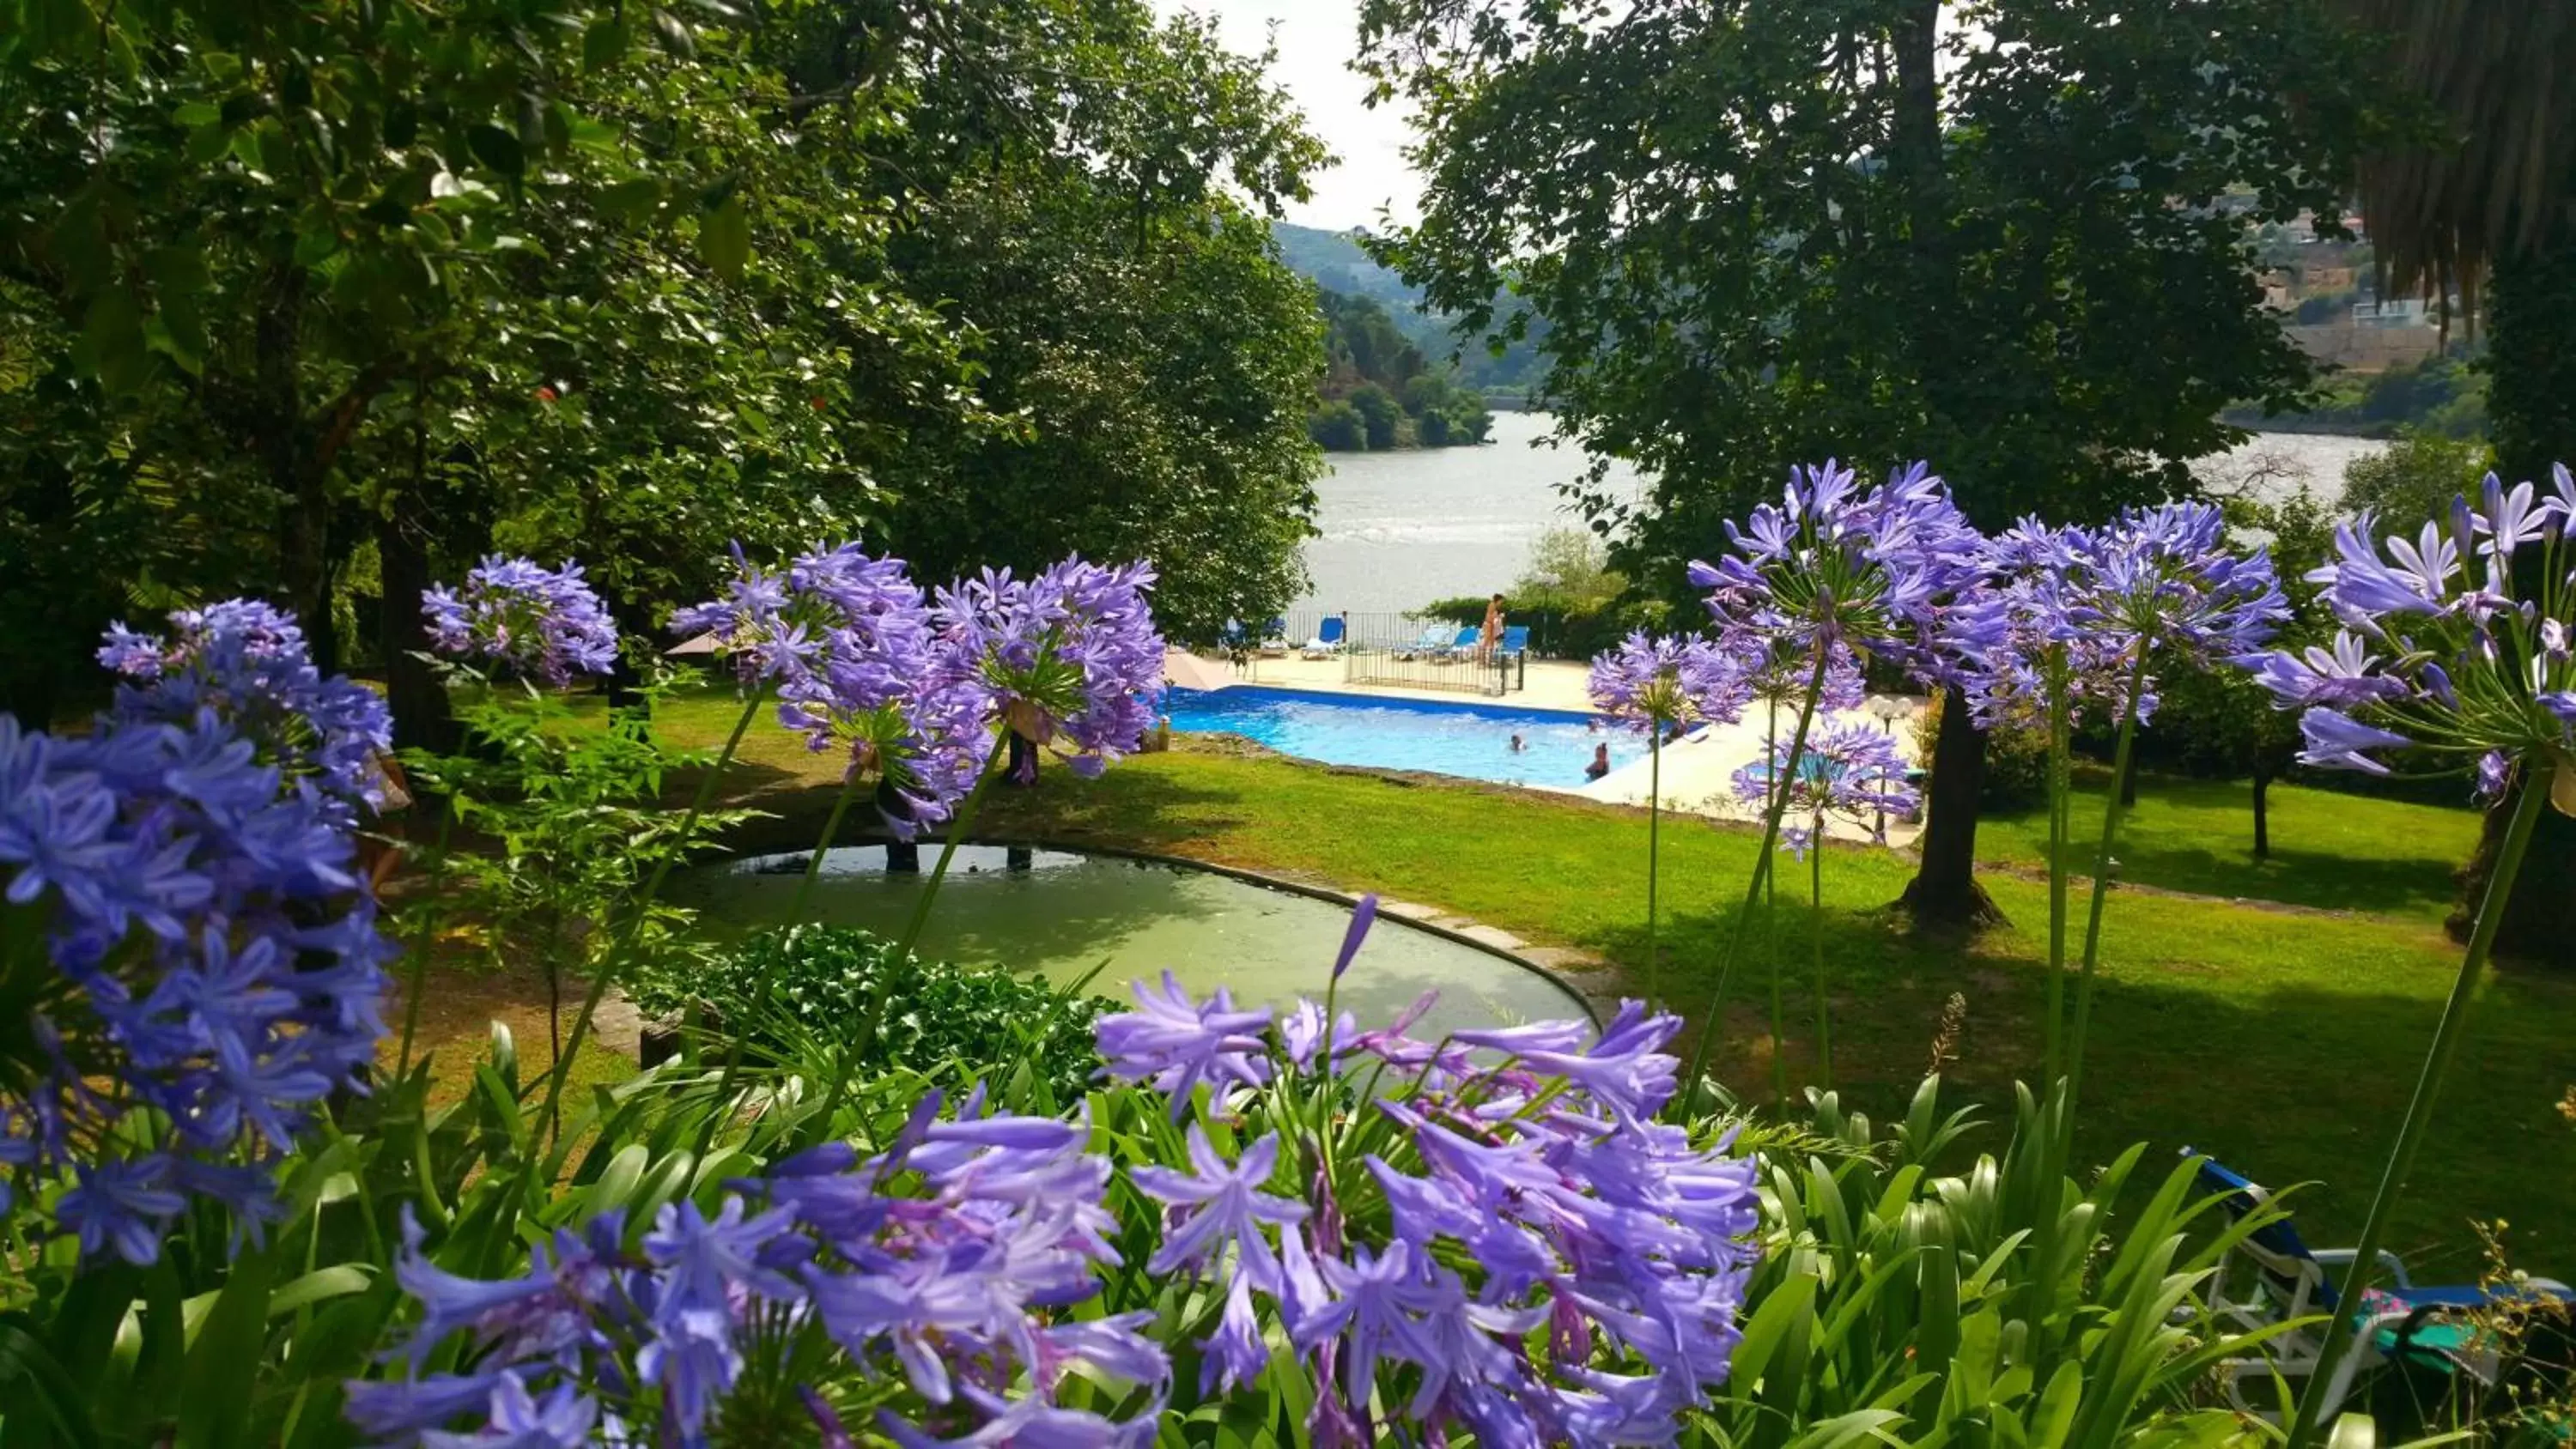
x=1064 y=914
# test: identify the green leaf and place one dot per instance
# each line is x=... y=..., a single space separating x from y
x=322 y=1284
x=724 y=238
x=633 y=199
x=33 y=1379
x=223 y=1360
x=604 y=43
x=497 y=149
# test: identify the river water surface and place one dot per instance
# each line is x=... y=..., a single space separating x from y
x=1402 y=529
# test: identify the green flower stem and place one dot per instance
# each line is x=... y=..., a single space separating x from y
x=1654 y=838
x=2419 y=1108
x=2111 y=817
x=2059 y=787
x=957 y=829
x=1753 y=887
x=605 y=976
x=1771 y=933
x=1816 y=897
x=740 y=1030
x=420 y=954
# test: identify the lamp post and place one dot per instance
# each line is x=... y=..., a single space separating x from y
x=1886 y=708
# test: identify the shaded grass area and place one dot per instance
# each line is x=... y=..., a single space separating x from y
x=2283 y=1042
x=2330 y=850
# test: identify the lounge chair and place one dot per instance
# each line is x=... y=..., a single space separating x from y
x=1515 y=641
x=1461 y=647
x=1433 y=639
x=1327 y=642
x=2400 y=1320
x=1274 y=640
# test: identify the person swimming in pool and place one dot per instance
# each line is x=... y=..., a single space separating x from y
x=1518 y=744
x=1600 y=765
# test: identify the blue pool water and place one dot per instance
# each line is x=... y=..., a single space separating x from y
x=1473 y=740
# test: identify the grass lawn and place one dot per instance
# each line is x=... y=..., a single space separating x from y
x=2330 y=850
x=2284 y=1041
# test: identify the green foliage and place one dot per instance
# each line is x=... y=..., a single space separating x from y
x=1402 y=399
x=1378 y=413
x=562 y=827
x=2011 y=1300
x=2414 y=478
x=824 y=982
x=1155 y=356
x=2003 y=251
x=1337 y=427
x=2441 y=396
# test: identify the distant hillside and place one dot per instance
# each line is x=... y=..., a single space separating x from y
x=1334 y=261
x=1379 y=390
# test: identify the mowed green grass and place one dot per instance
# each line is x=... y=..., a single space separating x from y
x=2284 y=1042
x=2330 y=850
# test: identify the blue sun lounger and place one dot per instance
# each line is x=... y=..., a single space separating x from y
x=2287 y=1281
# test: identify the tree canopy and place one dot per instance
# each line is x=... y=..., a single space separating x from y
x=315 y=302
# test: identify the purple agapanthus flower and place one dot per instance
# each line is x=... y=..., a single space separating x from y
x=2438 y=656
x=1834 y=567
x=245 y=662
x=943 y=1260
x=1526 y=1185
x=1847 y=770
x=215 y=965
x=1070 y=654
x=1653 y=684
x=847 y=642
x=534 y=622
x=1177 y=1043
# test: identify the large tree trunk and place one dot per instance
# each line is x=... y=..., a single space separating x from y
x=2531 y=397
x=418 y=700
x=1944 y=891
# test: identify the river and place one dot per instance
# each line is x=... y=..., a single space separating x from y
x=1401 y=529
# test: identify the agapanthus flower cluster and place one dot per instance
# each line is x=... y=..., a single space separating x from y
x=1847 y=771
x=2068 y=616
x=937 y=1269
x=1543 y=1262
x=1835 y=567
x=1070 y=653
x=1652 y=684
x=845 y=639
x=246 y=662
x=534 y=622
x=2440 y=648
x=2163 y=581
x=198 y=966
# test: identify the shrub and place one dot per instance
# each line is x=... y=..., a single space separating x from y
x=824 y=982
x=1336 y=426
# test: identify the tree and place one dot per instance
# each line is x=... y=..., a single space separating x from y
x=2479 y=204
x=1378 y=413
x=287 y=287
x=1101 y=228
x=1987 y=235
x=1337 y=427
x=2414 y=479
x=2216 y=719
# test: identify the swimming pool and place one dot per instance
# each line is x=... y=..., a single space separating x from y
x=1471 y=740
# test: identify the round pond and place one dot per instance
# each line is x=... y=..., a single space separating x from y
x=1064 y=914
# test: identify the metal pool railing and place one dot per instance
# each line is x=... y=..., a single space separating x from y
x=1397 y=650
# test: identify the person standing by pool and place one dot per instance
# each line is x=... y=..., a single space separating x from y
x=1600 y=765
x=1492 y=637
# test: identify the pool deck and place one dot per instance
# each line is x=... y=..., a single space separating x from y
x=1696 y=768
